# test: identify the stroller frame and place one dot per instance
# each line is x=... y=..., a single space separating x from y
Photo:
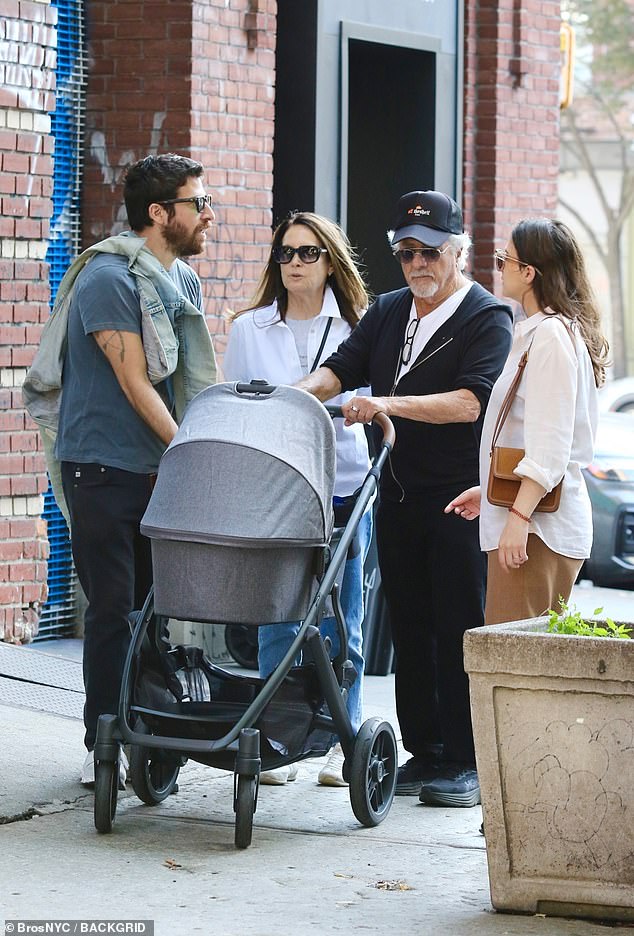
x=370 y=755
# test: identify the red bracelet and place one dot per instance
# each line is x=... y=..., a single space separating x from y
x=520 y=515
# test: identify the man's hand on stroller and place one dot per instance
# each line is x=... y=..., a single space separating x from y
x=363 y=409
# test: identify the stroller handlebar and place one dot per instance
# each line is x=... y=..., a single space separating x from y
x=262 y=387
x=386 y=424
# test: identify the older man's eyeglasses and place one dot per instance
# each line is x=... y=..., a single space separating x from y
x=405 y=255
x=200 y=202
x=501 y=257
x=408 y=344
x=307 y=253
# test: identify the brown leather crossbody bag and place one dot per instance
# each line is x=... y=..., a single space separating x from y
x=504 y=485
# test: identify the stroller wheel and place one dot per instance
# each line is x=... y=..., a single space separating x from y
x=106 y=789
x=244 y=806
x=242 y=643
x=153 y=772
x=373 y=772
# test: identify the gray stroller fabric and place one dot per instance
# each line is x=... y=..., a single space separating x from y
x=247 y=470
x=241 y=505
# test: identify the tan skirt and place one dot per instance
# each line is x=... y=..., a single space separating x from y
x=533 y=588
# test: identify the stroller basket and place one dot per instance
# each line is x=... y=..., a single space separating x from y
x=221 y=698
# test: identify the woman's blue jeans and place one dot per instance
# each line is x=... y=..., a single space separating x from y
x=275 y=639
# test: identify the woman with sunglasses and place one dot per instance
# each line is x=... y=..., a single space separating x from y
x=309 y=298
x=535 y=557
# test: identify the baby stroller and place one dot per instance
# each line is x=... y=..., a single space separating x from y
x=241 y=524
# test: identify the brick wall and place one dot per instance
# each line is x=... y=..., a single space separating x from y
x=197 y=77
x=511 y=120
x=27 y=46
x=232 y=134
x=194 y=77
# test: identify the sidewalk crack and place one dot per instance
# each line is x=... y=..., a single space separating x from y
x=20 y=817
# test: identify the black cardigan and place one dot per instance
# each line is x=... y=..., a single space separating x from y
x=467 y=352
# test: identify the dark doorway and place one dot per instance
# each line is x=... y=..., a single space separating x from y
x=391 y=143
x=295 y=96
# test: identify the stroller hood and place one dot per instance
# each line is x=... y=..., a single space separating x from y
x=247 y=470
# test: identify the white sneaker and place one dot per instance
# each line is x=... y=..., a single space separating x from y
x=331 y=774
x=88 y=770
x=279 y=775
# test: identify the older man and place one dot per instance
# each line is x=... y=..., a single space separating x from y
x=431 y=353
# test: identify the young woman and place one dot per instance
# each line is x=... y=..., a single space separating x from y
x=534 y=557
x=309 y=298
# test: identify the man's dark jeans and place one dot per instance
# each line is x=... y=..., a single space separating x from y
x=114 y=566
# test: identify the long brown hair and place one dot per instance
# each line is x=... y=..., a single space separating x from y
x=562 y=284
x=345 y=280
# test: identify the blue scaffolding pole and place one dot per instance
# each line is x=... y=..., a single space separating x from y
x=58 y=616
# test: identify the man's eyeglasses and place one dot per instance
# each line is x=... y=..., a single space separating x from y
x=501 y=256
x=200 y=202
x=308 y=253
x=428 y=254
x=408 y=344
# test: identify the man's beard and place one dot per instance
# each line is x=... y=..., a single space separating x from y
x=424 y=288
x=181 y=242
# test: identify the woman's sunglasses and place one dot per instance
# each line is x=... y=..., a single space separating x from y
x=501 y=258
x=428 y=254
x=307 y=253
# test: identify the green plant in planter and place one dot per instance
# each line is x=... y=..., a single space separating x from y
x=569 y=621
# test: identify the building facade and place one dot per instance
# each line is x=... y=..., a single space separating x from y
x=338 y=106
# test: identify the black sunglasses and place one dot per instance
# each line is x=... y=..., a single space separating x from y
x=307 y=253
x=199 y=202
x=428 y=254
x=408 y=344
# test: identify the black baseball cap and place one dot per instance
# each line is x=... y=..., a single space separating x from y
x=428 y=217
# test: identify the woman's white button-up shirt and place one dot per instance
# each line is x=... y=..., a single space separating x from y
x=261 y=347
x=554 y=419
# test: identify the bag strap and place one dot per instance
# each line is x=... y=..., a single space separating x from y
x=321 y=346
x=508 y=399
x=512 y=390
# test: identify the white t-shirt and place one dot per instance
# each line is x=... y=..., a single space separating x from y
x=262 y=346
x=301 y=330
x=429 y=324
x=554 y=419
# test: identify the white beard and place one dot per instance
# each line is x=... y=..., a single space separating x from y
x=424 y=288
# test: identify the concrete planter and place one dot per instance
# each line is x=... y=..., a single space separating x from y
x=553 y=720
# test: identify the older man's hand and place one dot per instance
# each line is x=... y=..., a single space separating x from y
x=363 y=409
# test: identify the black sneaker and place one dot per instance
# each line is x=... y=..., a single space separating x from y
x=412 y=773
x=452 y=786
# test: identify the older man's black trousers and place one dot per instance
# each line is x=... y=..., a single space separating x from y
x=114 y=566
x=434 y=576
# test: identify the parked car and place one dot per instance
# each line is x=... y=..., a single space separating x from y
x=617 y=396
x=610 y=480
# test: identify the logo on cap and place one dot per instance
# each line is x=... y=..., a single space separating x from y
x=418 y=211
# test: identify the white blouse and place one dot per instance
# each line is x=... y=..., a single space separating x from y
x=261 y=346
x=554 y=419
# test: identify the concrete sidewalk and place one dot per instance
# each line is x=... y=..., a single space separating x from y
x=311 y=868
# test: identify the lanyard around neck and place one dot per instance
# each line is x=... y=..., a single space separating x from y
x=321 y=346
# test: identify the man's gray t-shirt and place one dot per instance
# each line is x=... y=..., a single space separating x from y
x=97 y=423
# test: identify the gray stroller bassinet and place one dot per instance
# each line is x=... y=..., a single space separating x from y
x=241 y=525
x=242 y=498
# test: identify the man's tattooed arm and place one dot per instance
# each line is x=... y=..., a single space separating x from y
x=124 y=351
x=112 y=343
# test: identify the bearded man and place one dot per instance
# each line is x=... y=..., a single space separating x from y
x=133 y=303
x=431 y=353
